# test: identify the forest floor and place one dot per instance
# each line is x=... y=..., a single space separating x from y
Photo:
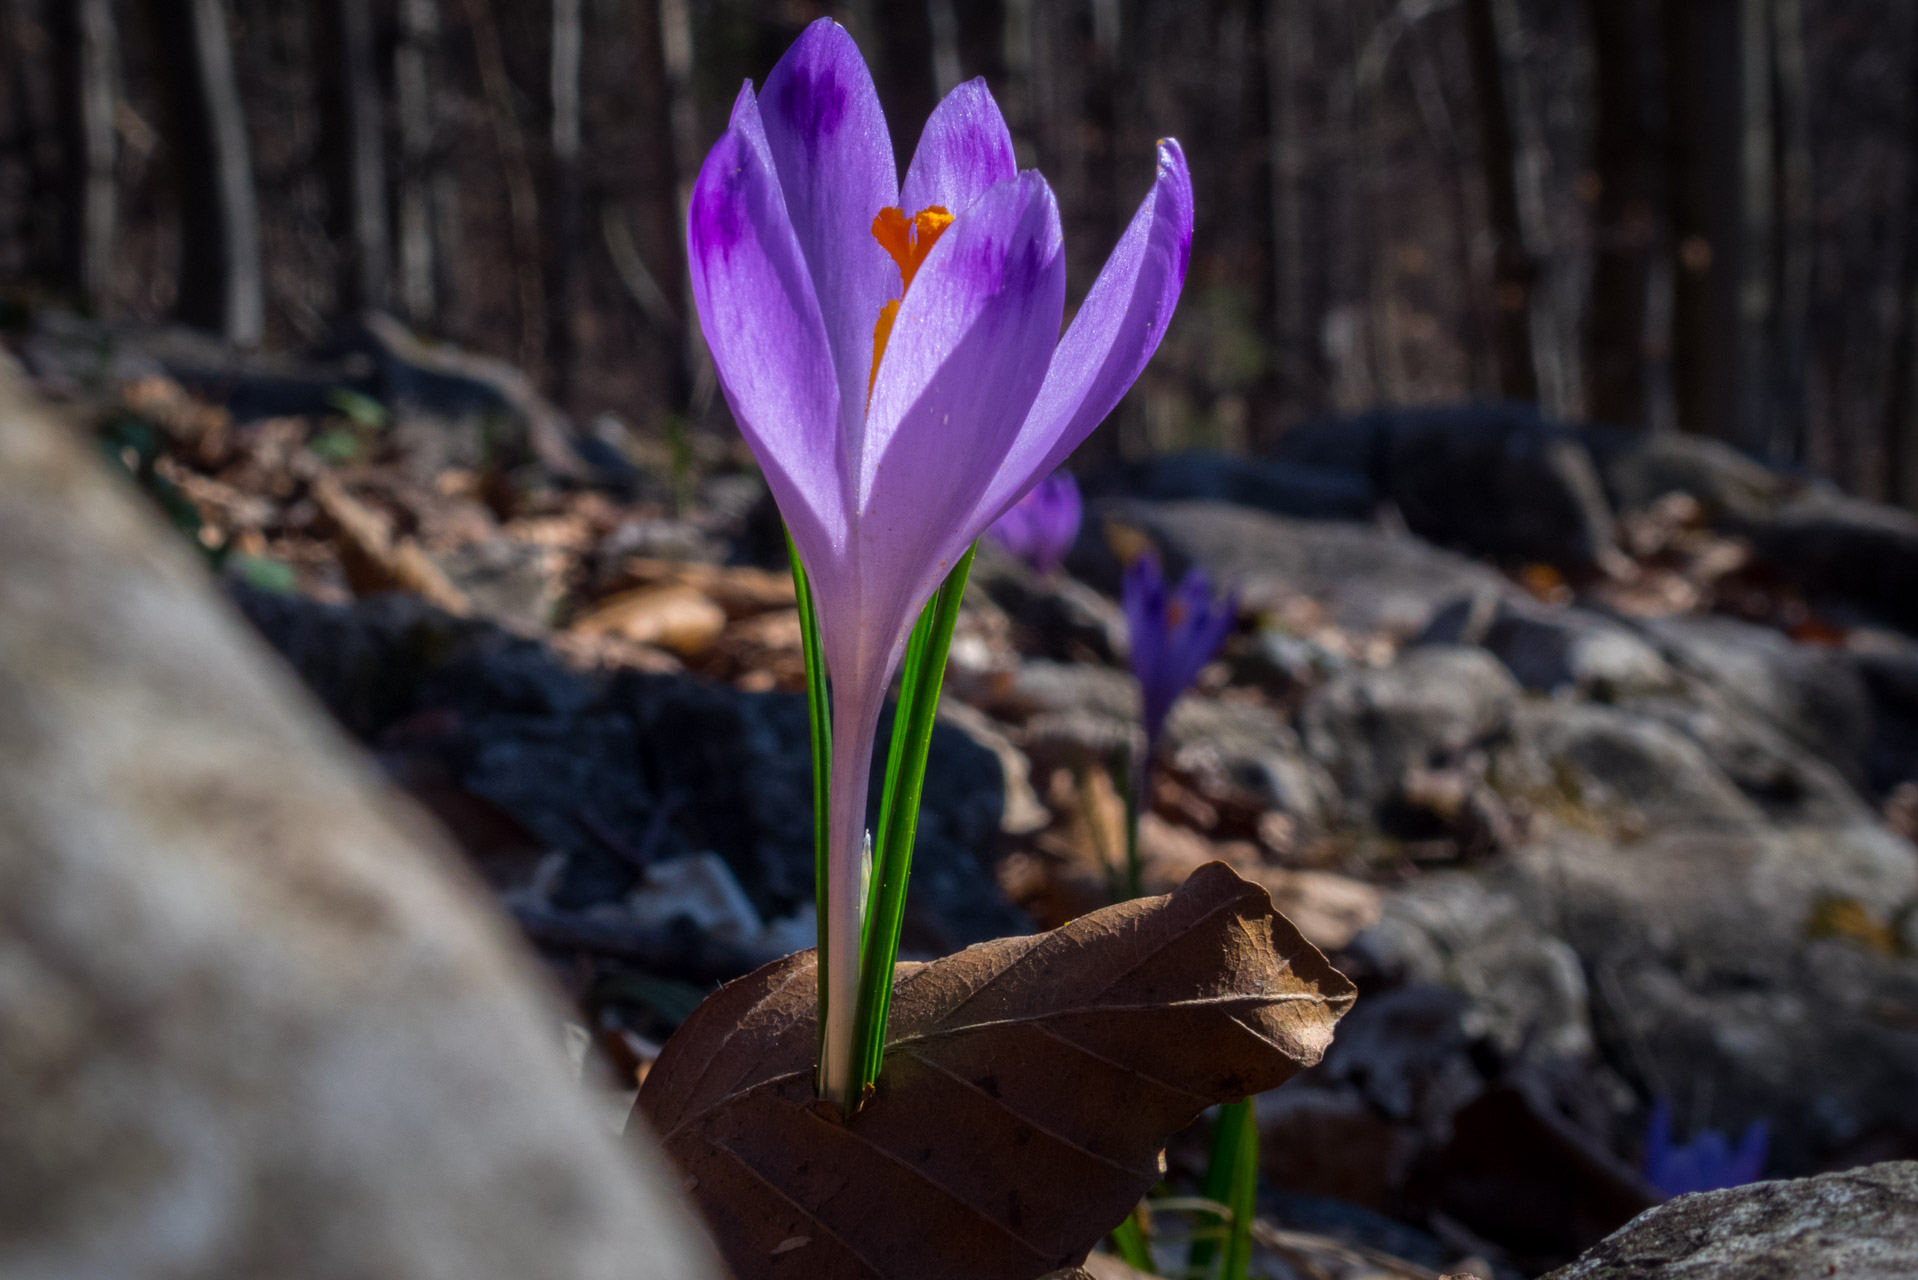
x=1592 y=773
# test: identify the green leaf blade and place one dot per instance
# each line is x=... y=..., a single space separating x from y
x=819 y=732
x=923 y=672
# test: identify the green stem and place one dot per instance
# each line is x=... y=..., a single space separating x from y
x=1232 y=1179
x=819 y=724
x=1129 y=1240
x=1138 y=780
x=922 y=674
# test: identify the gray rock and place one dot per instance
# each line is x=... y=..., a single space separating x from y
x=1814 y=696
x=1040 y=686
x=254 y=1020
x=514 y=583
x=1548 y=649
x=1367 y=579
x=1021 y=812
x=1248 y=749
x=1888 y=664
x=1525 y=989
x=1494 y=479
x=1280 y=662
x=1628 y=775
x=1789 y=783
x=618 y=772
x=1844 y=549
x=1640 y=467
x=1283 y=488
x=1750 y=971
x=1059 y=617
x=1861 y=1224
x=1367 y=727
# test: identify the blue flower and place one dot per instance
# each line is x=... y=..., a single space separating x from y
x=1708 y=1162
x=1041 y=527
x=1172 y=637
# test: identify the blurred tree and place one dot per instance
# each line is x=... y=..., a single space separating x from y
x=354 y=126
x=414 y=54
x=1899 y=428
x=522 y=194
x=1717 y=84
x=899 y=47
x=88 y=37
x=220 y=284
x=564 y=237
x=1298 y=375
x=1528 y=357
x=652 y=263
x=1792 y=248
x=1630 y=194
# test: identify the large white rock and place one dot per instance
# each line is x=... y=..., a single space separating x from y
x=253 y=1019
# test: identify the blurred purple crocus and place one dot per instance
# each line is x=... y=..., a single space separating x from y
x=892 y=355
x=1172 y=636
x=1040 y=527
x=1708 y=1162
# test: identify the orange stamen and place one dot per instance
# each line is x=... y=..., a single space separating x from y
x=880 y=332
x=908 y=241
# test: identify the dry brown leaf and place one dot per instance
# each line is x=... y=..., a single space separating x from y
x=676 y=618
x=374 y=559
x=1028 y=1088
x=742 y=591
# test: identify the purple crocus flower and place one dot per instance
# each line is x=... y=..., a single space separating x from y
x=893 y=357
x=1171 y=637
x=1040 y=527
x=1708 y=1162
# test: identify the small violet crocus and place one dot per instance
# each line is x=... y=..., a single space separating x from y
x=1040 y=527
x=1172 y=636
x=892 y=354
x=1708 y=1162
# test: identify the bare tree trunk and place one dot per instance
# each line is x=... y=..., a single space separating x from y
x=221 y=286
x=563 y=337
x=1428 y=86
x=676 y=50
x=522 y=197
x=413 y=97
x=982 y=40
x=34 y=144
x=1346 y=337
x=90 y=68
x=659 y=249
x=1720 y=208
x=1899 y=431
x=1793 y=234
x=1510 y=155
x=944 y=22
x=1617 y=384
x=357 y=153
x=903 y=69
x=1288 y=55
x=1369 y=43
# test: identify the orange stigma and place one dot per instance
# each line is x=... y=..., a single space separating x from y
x=908 y=240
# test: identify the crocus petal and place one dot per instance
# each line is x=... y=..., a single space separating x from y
x=965 y=150
x=1748 y=1163
x=1202 y=627
x=1040 y=527
x=1114 y=334
x=966 y=356
x=763 y=323
x=1143 y=600
x=828 y=140
x=1064 y=513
